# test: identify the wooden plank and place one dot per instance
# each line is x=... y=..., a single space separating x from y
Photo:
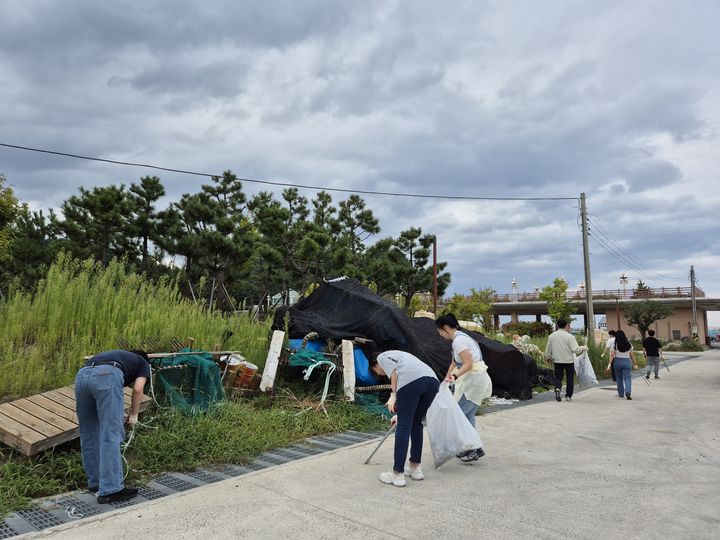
x=67 y=391
x=60 y=398
x=17 y=435
x=44 y=414
x=348 y=359
x=271 y=363
x=60 y=410
x=8 y=409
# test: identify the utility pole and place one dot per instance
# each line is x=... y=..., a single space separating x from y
x=435 y=275
x=588 y=284
x=694 y=303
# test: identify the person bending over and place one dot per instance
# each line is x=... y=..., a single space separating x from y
x=414 y=386
x=100 y=404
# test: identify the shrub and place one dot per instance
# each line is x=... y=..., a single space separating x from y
x=532 y=329
x=686 y=345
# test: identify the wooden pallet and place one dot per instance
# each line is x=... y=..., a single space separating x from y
x=36 y=423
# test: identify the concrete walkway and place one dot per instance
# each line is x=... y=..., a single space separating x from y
x=596 y=467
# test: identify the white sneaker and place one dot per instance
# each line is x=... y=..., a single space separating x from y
x=415 y=474
x=391 y=477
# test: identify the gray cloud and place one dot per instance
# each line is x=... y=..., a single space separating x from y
x=489 y=98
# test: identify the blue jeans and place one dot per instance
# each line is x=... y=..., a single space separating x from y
x=413 y=401
x=623 y=371
x=101 y=412
x=469 y=409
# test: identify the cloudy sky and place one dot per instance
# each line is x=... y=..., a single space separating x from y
x=481 y=98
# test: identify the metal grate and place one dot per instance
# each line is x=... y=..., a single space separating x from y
x=204 y=476
x=235 y=471
x=308 y=450
x=6 y=531
x=335 y=441
x=40 y=519
x=174 y=483
x=81 y=507
x=124 y=504
x=272 y=458
x=291 y=455
x=150 y=493
x=254 y=466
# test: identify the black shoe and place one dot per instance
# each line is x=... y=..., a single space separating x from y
x=122 y=495
x=93 y=489
x=473 y=455
x=648 y=376
x=628 y=396
x=657 y=377
x=557 y=395
x=462 y=454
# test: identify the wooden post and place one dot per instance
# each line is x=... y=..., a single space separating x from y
x=348 y=360
x=271 y=363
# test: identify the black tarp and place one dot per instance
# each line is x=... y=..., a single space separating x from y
x=345 y=309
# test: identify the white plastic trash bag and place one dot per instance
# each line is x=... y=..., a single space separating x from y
x=584 y=370
x=449 y=430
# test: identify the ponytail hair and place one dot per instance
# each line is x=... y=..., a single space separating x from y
x=447 y=320
x=622 y=343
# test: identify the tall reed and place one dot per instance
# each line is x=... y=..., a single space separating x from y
x=81 y=308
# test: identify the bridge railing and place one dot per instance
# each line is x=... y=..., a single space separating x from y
x=620 y=294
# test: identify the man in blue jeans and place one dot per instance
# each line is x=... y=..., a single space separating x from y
x=100 y=404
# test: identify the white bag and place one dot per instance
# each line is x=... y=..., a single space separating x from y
x=449 y=430
x=584 y=370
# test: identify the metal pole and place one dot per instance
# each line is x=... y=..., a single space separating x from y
x=694 y=328
x=588 y=284
x=617 y=311
x=435 y=275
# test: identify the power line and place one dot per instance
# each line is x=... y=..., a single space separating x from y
x=602 y=232
x=286 y=184
x=619 y=257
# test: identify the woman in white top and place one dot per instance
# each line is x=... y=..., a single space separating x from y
x=623 y=363
x=414 y=386
x=468 y=371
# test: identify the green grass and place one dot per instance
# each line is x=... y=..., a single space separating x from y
x=231 y=432
x=82 y=308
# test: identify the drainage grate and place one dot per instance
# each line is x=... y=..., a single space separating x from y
x=6 y=531
x=203 y=476
x=336 y=441
x=124 y=504
x=235 y=471
x=81 y=507
x=150 y=493
x=38 y=518
x=254 y=466
x=272 y=458
x=307 y=450
x=174 y=483
x=291 y=455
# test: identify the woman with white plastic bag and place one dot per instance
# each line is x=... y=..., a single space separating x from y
x=469 y=373
x=449 y=431
x=414 y=386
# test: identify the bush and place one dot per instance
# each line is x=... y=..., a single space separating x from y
x=532 y=329
x=687 y=345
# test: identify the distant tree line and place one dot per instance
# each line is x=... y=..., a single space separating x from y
x=223 y=246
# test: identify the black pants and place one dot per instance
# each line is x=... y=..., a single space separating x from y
x=612 y=369
x=569 y=371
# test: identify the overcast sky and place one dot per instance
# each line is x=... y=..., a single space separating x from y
x=485 y=98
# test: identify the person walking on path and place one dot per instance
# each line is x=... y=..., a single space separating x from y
x=610 y=348
x=562 y=347
x=652 y=349
x=624 y=363
x=100 y=403
x=414 y=386
x=468 y=371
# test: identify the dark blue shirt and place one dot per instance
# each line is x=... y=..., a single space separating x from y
x=132 y=365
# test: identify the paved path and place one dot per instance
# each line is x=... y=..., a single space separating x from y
x=597 y=467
